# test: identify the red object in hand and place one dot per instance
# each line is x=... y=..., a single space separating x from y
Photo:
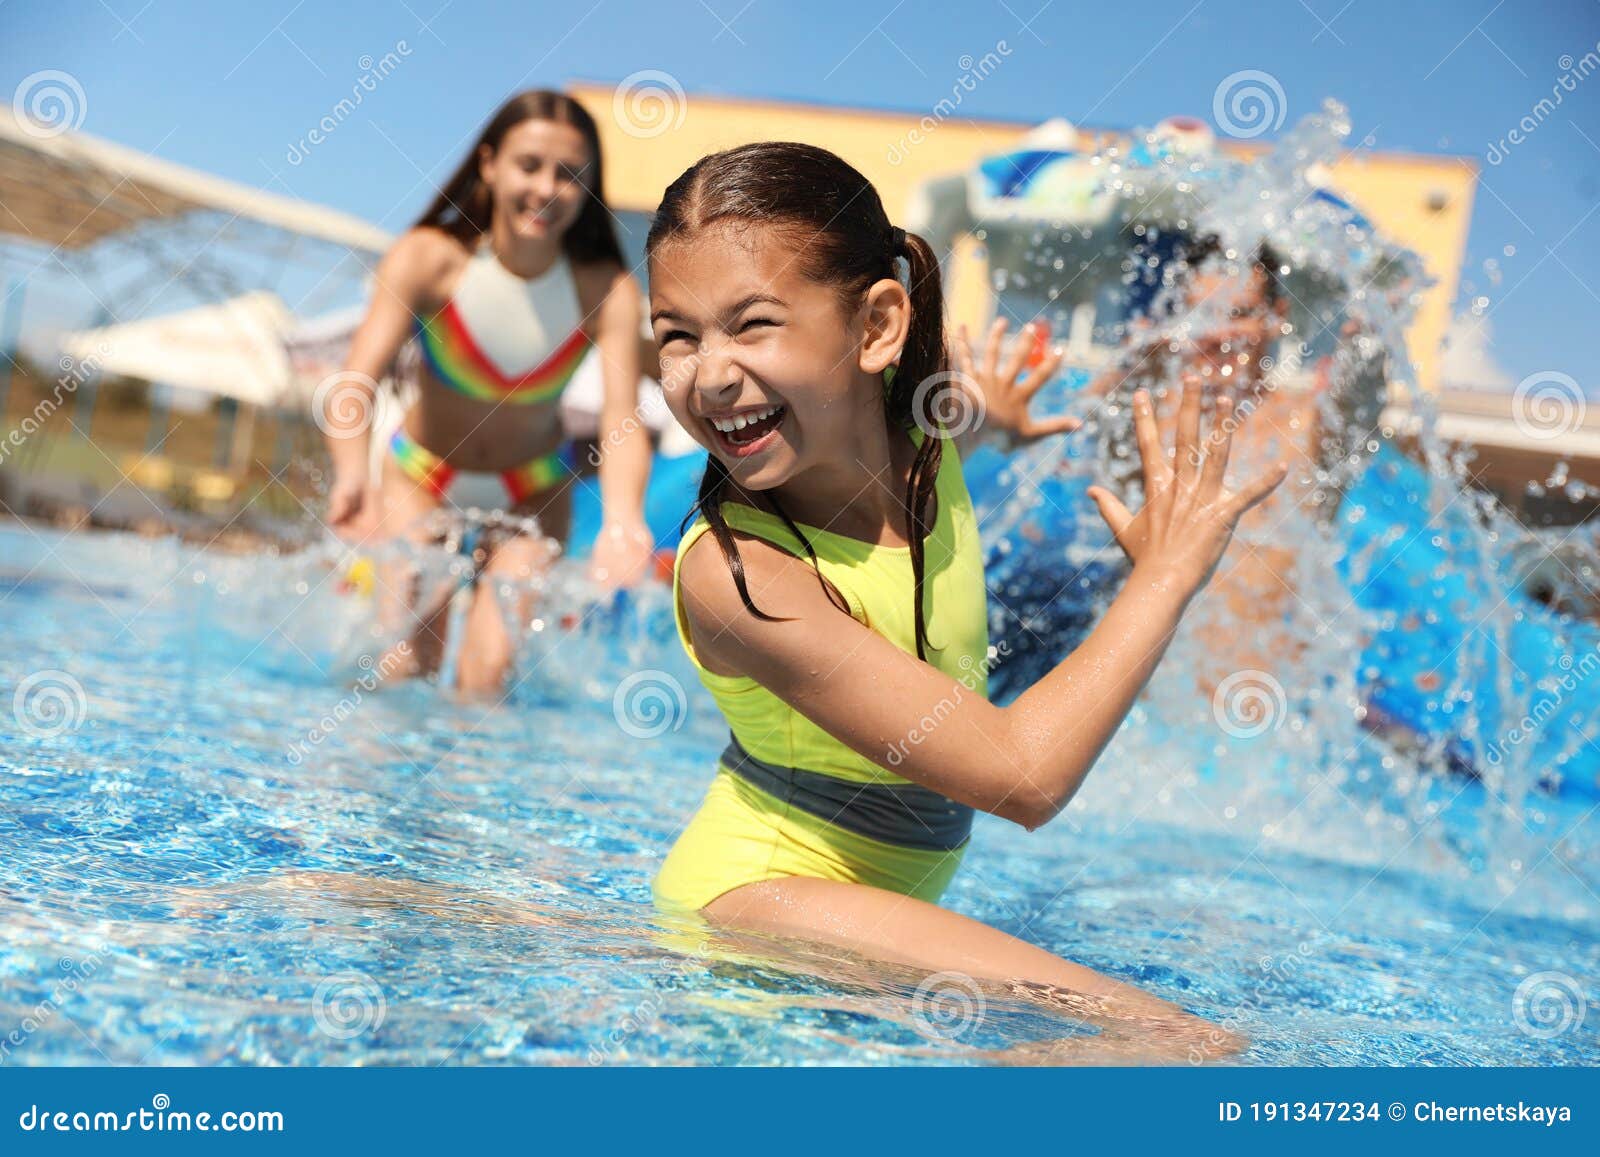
x=1041 y=345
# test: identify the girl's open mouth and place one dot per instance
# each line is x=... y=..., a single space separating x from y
x=745 y=433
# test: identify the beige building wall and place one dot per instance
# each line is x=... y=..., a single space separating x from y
x=1423 y=202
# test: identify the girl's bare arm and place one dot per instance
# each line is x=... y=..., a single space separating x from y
x=1025 y=761
x=405 y=281
x=624 y=442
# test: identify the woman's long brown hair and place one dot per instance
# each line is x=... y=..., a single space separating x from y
x=842 y=238
x=464 y=207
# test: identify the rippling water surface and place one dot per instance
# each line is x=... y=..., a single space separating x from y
x=446 y=881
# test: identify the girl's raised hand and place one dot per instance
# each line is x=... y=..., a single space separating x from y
x=1188 y=515
x=993 y=388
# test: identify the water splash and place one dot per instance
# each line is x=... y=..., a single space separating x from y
x=1370 y=703
x=442 y=880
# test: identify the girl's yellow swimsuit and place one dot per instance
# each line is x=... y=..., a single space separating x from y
x=791 y=800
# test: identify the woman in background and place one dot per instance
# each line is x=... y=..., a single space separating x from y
x=507 y=281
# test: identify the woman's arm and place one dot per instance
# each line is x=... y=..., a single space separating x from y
x=1023 y=762
x=403 y=285
x=623 y=549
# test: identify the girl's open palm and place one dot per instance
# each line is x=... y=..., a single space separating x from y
x=1189 y=514
x=1000 y=398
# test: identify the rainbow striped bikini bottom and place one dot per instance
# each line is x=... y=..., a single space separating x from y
x=532 y=478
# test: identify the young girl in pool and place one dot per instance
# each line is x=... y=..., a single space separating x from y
x=507 y=280
x=831 y=593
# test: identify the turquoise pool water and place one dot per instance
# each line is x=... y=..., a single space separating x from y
x=228 y=841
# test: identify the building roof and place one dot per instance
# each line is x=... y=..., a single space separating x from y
x=1555 y=428
x=68 y=189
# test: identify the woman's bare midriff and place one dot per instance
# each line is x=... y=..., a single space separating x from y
x=479 y=436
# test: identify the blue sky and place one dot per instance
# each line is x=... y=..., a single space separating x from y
x=230 y=90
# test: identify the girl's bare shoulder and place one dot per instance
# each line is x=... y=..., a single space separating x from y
x=598 y=280
x=424 y=263
x=780 y=584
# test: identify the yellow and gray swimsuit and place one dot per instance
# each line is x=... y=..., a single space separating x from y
x=791 y=800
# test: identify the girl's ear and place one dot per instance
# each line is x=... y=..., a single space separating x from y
x=485 y=159
x=886 y=323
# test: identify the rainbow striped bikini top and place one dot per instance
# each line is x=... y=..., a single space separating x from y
x=503 y=338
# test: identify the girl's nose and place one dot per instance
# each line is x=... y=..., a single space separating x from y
x=717 y=379
x=718 y=391
x=544 y=184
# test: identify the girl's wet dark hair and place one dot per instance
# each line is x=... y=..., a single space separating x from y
x=835 y=222
x=1193 y=253
x=464 y=206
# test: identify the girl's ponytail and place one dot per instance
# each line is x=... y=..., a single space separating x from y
x=915 y=395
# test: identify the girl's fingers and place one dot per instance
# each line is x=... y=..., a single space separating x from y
x=991 y=351
x=1157 y=472
x=1042 y=373
x=1253 y=495
x=1118 y=517
x=964 y=353
x=1218 y=445
x=1188 y=449
x=1049 y=426
x=1021 y=348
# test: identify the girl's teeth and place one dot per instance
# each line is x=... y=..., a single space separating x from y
x=740 y=421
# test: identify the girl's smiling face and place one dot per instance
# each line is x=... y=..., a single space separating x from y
x=536 y=177
x=766 y=368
